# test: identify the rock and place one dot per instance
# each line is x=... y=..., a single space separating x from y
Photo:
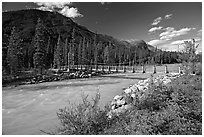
x=119 y=105
x=128 y=90
x=133 y=95
x=118 y=97
x=120 y=102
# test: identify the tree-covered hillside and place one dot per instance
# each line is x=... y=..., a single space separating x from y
x=65 y=42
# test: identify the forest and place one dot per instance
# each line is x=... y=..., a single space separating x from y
x=34 y=39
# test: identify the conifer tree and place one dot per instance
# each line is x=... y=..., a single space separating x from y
x=12 y=58
x=66 y=52
x=49 y=55
x=39 y=57
x=83 y=51
x=58 y=54
x=79 y=52
x=72 y=47
x=107 y=55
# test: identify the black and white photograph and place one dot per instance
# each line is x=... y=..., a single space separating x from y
x=101 y=67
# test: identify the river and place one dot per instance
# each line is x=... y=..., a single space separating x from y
x=27 y=109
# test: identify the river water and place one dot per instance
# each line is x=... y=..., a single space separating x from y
x=27 y=109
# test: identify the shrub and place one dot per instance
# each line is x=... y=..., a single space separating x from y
x=85 y=118
x=175 y=109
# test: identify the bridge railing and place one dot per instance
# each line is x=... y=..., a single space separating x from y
x=134 y=69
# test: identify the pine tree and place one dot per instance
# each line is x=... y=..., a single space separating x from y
x=107 y=55
x=87 y=60
x=119 y=55
x=58 y=54
x=95 y=51
x=79 y=52
x=39 y=57
x=12 y=58
x=135 y=57
x=49 y=55
x=96 y=54
x=83 y=51
x=72 y=47
x=66 y=52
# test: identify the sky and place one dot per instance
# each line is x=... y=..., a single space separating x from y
x=164 y=25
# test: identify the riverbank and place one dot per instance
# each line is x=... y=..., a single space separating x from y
x=172 y=109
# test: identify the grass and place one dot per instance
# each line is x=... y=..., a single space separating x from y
x=175 y=109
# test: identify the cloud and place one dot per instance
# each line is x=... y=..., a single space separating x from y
x=53 y=5
x=171 y=33
x=45 y=9
x=70 y=12
x=156 y=42
x=157 y=21
x=60 y=7
x=168 y=16
x=180 y=42
x=155 y=29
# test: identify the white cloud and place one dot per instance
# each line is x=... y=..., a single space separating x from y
x=168 y=16
x=53 y=5
x=155 y=29
x=169 y=47
x=70 y=12
x=171 y=33
x=180 y=42
x=44 y=9
x=60 y=7
x=157 y=21
x=156 y=42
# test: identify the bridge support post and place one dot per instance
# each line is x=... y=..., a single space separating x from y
x=109 y=68
x=124 y=68
x=133 y=69
x=166 y=69
x=96 y=67
x=102 y=68
x=180 y=72
x=116 y=69
x=154 y=69
x=143 y=69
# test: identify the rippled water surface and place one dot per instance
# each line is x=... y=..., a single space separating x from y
x=27 y=109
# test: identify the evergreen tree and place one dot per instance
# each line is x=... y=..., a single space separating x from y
x=96 y=54
x=12 y=58
x=79 y=52
x=72 y=47
x=107 y=55
x=119 y=55
x=83 y=51
x=66 y=52
x=95 y=51
x=49 y=55
x=87 y=58
x=58 y=54
x=39 y=57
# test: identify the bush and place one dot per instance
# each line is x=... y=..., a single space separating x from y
x=85 y=118
x=175 y=109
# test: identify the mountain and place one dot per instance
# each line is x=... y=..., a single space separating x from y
x=58 y=25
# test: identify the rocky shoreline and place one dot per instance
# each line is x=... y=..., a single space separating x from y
x=136 y=92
